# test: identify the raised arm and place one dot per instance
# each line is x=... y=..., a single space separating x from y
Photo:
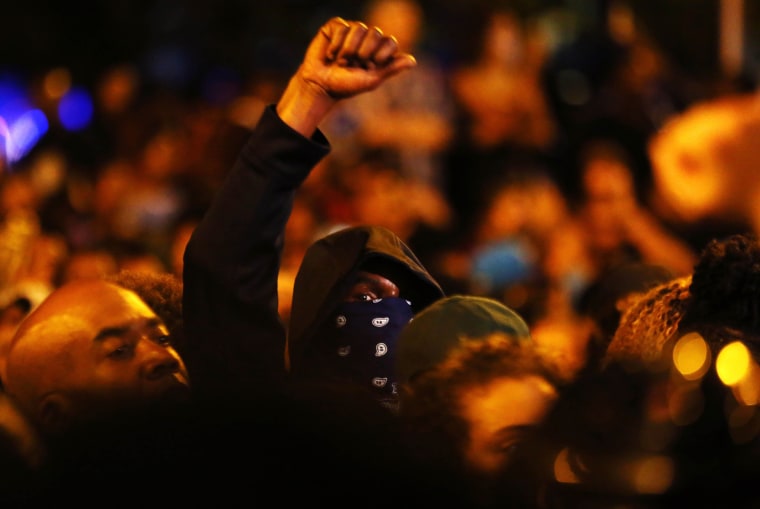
x=235 y=338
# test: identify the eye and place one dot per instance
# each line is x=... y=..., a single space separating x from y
x=511 y=442
x=164 y=340
x=509 y=448
x=361 y=294
x=121 y=351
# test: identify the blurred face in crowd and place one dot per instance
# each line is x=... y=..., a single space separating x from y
x=499 y=413
x=91 y=349
x=704 y=160
x=402 y=18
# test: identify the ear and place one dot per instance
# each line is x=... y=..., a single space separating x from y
x=55 y=413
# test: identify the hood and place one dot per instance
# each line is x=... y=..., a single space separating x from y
x=328 y=267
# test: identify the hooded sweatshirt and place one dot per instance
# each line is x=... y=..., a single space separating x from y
x=236 y=340
x=326 y=273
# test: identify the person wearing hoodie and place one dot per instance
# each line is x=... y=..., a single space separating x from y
x=354 y=292
x=355 y=287
x=94 y=371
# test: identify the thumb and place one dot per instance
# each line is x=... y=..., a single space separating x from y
x=399 y=63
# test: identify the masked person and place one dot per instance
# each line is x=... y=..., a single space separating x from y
x=93 y=356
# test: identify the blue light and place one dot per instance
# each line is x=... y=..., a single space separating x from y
x=21 y=125
x=13 y=100
x=24 y=134
x=75 y=109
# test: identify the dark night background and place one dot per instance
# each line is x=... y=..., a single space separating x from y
x=88 y=35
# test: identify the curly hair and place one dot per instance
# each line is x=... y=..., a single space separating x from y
x=430 y=408
x=726 y=285
x=649 y=322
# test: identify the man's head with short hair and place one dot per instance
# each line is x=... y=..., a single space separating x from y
x=89 y=350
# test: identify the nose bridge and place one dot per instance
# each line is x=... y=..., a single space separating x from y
x=156 y=360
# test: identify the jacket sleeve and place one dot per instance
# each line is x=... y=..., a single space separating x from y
x=235 y=338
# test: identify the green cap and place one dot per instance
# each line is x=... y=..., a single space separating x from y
x=435 y=331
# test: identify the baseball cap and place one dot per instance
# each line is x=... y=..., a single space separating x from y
x=429 y=337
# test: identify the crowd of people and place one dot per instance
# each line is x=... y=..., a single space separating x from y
x=376 y=280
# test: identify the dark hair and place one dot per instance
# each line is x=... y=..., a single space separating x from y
x=430 y=410
x=725 y=286
x=162 y=292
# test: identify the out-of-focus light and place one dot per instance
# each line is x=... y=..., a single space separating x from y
x=13 y=99
x=747 y=390
x=57 y=83
x=653 y=475
x=562 y=471
x=23 y=134
x=21 y=124
x=75 y=109
x=733 y=363
x=691 y=357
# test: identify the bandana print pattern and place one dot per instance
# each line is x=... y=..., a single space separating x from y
x=363 y=343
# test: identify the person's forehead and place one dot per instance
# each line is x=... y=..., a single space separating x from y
x=364 y=276
x=85 y=306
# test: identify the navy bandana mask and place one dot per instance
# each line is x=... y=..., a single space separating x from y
x=359 y=344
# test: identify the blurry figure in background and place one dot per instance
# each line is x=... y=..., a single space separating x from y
x=567 y=269
x=154 y=196
x=645 y=87
x=504 y=255
x=619 y=226
x=137 y=256
x=705 y=165
x=115 y=127
x=472 y=386
x=19 y=225
x=37 y=278
x=503 y=116
x=409 y=117
x=94 y=263
x=382 y=195
x=499 y=91
x=30 y=259
x=527 y=251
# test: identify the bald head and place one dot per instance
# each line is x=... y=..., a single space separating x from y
x=90 y=346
